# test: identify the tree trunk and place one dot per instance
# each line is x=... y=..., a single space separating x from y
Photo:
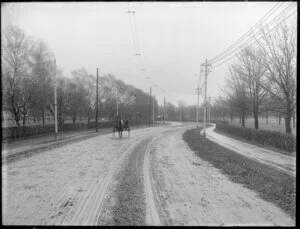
x=74 y=119
x=294 y=120
x=240 y=119
x=243 y=120
x=267 y=117
x=43 y=116
x=231 y=118
x=279 y=120
x=255 y=115
x=17 y=118
x=34 y=118
x=256 y=121
x=288 y=128
x=288 y=118
x=24 y=119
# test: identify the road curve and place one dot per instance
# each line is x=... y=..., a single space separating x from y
x=71 y=185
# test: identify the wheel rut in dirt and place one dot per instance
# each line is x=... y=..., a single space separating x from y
x=131 y=200
x=90 y=205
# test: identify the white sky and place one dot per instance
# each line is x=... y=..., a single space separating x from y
x=174 y=39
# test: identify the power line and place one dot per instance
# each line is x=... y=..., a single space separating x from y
x=244 y=43
x=261 y=27
x=137 y=39
x=134 y=31
x=247 y=33
x=136 y=46
x=255 y=40
x=225 y=53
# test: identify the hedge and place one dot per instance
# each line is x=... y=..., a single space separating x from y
x=279 y=140
x=13 y=133
x=26 y=131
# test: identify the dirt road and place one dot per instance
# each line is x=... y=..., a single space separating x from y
x=151 y=178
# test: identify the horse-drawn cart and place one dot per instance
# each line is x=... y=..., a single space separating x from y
x=121 y=126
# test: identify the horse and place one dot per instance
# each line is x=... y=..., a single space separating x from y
x=118 y=126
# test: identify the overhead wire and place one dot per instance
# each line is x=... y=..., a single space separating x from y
x=248 y=32
x=238 y=47
x=133 y=30
x=244 y=44
x=255 y=40
x=137 y=49
x=136 y=33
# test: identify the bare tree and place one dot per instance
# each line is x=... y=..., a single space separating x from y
x=236 y=92
x=251 y=68
x=219 y=108
x=42 y=79
x=279 y=49
x=87 y=83
x=15 y=72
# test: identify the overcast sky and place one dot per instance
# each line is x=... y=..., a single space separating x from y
x=174 y=39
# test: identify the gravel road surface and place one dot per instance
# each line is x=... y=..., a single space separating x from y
x=149 y=178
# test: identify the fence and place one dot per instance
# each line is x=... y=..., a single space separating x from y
x=13 y=133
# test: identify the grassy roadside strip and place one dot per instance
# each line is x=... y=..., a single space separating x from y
x=271 y=184
x=129 y=208
x=255 y=143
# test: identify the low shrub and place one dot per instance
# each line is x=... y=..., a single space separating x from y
x=278 y=140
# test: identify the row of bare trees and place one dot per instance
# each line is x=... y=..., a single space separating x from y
x=262 y=79
x=28 y=86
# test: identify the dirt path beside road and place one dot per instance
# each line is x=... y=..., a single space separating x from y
x=189 y=191
x=268 y=157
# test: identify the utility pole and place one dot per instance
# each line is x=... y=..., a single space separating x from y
x=180 y=114
x=198 y=92
x=97 y=104
x=164 y=110
x=205 y=92
x=209 y=109
x=153 y=109
x=55 y=101
x=117 y=107
x=150 y=107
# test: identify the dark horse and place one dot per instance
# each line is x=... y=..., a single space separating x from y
x=118 y=126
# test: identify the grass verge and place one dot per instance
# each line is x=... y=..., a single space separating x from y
x=293 y=154
x=271 y=184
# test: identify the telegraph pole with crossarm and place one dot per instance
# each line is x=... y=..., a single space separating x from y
x=198 y=92
x=206 y=65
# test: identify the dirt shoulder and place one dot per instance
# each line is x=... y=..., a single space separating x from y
x=190 y=191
